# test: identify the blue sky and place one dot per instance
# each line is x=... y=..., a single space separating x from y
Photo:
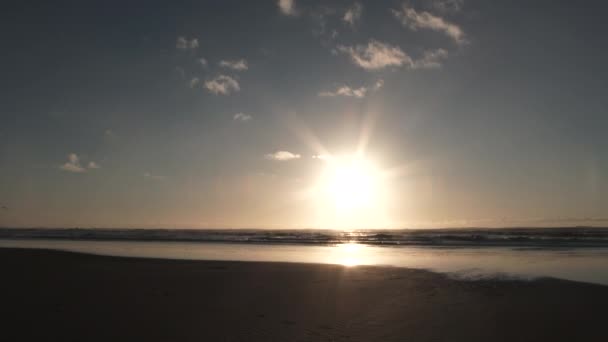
x=211 y=113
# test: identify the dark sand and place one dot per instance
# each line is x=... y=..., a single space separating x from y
x=57 y=296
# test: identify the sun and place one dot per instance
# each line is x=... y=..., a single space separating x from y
x=350 y=192
x=350 y=183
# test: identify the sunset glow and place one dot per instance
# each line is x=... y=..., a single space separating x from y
x=350 y=192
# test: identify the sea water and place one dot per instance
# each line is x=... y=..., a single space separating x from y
x=586 y=264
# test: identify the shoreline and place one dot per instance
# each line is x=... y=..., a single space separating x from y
x=61 y=295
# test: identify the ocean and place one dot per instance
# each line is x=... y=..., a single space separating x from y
x=575 y=253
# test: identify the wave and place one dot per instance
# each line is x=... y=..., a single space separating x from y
x=523 y=237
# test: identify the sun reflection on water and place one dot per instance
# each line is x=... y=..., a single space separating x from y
x=349 y=254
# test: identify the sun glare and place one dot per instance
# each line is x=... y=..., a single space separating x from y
x=350 y=191
x=350 y=184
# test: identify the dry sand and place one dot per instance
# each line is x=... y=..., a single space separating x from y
x=60 y=296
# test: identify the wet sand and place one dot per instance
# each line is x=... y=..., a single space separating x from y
x=61 y=296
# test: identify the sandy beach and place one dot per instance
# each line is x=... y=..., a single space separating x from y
x=60 y=296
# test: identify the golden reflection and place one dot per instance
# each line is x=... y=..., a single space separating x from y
x=349 y=254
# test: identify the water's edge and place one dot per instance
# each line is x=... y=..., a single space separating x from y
x=479 y=262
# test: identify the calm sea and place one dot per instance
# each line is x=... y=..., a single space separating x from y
x=579 y=254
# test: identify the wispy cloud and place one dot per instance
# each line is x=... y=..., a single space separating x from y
x=203 y=62
x=93 y=165
x=376 y=55
x=73 y=164
x=222 y=85
x=353 y=14
x=282 y=156
x=149 y=176
x=431 y=59
x=239 y=65
x=183 y=43
x=194 y=82
x=242 y=117
x=347 y=91
x=415 y=20
x=287 y=7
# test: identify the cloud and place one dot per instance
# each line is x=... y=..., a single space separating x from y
x=347 y=91
x=376 y=55
x=353 y=14
x=203 y=62
x=239 y=65
x=414 y=20
x=431 y=59
x=194 y=82
x=149 y=176
x=73 y=164
x=287 y=7
x=282 y=156
x=222 y=85
x=185 y=44
x=242 y=117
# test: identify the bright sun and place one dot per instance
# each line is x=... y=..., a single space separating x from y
x=350 y=184
x=350 y=192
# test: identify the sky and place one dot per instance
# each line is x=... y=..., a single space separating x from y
x=224 y=114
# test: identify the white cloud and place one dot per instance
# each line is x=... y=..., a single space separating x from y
x=194 y=82
x=242 y=117
x=93 y=165
x=347 y=91
x=414 y=20
x=73 y=164
x=222 y=85
x=149 y=176
x=353 y=14
x=184 y=44
x=431 y=59
x=239 y=65
x=203 y=62
x=287 y=7
x=376 y=55
x=282 y=156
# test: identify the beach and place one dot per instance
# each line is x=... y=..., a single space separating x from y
x=64 y=296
